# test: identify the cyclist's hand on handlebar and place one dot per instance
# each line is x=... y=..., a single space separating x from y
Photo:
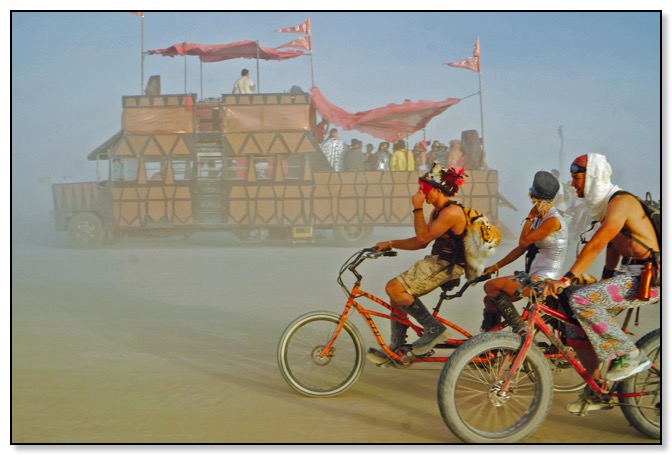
x=491 y=270
x=382 y=246
x=553 y=288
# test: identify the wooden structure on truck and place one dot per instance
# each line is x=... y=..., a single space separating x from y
x=243 y=163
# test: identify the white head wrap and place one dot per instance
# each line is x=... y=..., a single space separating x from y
x=598 y=187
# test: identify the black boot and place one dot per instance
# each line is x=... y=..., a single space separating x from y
x=490 y=320
x=508 y=312
x=435 y=332
x=397 y=339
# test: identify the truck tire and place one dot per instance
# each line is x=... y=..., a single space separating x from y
x=86 y=230
x=352 y=235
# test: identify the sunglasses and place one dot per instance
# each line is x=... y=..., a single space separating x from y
x=576 y=169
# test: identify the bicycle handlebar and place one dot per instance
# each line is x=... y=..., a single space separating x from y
x=356 y=259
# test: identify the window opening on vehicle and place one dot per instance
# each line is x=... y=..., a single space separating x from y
x=264 y=167
x=155 y=171
x=124 y=169
x=236 y=167
x=182 y=169
x=209 y=167
x=292 y=166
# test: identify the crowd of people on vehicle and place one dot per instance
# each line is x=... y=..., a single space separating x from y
x=397 y=156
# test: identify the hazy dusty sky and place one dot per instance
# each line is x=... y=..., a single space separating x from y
x=596 y=74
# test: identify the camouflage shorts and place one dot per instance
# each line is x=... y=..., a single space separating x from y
x=428 y=274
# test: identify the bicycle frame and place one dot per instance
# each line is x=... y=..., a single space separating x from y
x=535 y=321
x=356 y=292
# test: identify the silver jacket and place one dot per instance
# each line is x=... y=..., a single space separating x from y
x=549 y=261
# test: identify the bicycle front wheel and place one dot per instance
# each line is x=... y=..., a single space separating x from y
x=644 y=411
x=470 y=399
x=301 y=362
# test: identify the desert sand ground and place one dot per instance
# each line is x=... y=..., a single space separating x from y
x=174 y=341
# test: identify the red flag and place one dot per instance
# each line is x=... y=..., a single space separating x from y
x=472 y=63
x=138 y=13
x=301 y=28
x=300 y=43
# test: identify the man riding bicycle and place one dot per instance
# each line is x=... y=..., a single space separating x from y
x=629 y=238
x=446 y=227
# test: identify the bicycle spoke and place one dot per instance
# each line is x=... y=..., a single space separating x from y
x=301 y=360
x=471 y=397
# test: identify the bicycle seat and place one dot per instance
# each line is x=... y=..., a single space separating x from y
x=450 y=284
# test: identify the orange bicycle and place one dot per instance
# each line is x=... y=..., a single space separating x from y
x=498 y=388
x=322 y=354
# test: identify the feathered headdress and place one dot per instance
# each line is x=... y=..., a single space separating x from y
x=447 y=180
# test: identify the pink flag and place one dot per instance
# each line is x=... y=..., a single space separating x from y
x=300 y=43
x=472 y=63
x=138 y=13
x=301 y=28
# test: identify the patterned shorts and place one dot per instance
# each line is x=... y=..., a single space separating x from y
x=596 y=306
x=428 y=274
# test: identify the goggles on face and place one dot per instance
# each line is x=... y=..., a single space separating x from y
x=576 y=169
x=425 y=187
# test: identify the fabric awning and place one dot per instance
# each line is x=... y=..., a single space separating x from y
x=390 y=123
x=218 y=52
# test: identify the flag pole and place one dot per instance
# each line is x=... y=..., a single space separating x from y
x=480 y=96
x=312 y=68
x=142 y=52
x=258 y=77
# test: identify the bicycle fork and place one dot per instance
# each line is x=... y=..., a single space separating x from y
x=328 y=351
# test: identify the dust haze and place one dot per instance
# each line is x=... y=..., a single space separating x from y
x=174 y=340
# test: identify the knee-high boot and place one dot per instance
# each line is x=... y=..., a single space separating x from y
x=490 y=320
x=508 y=311
x=435 y=332
x=397 y=339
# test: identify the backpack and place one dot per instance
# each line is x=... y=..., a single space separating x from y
x=652 y=211
x=480 y=241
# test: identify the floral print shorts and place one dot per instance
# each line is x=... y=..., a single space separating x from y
x=596 y=306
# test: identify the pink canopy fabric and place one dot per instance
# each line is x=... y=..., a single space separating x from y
x=218 y=52
x=390 y=123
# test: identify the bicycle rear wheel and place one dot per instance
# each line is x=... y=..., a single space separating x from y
x=565 y=377
x=299 y=355
x=644 y=412
x=469 y=395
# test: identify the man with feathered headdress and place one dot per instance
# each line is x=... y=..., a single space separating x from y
x=629 y=238
x=446 y=227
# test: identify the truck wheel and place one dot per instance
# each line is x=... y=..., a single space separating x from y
x=86 y=230
x=352 y=235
